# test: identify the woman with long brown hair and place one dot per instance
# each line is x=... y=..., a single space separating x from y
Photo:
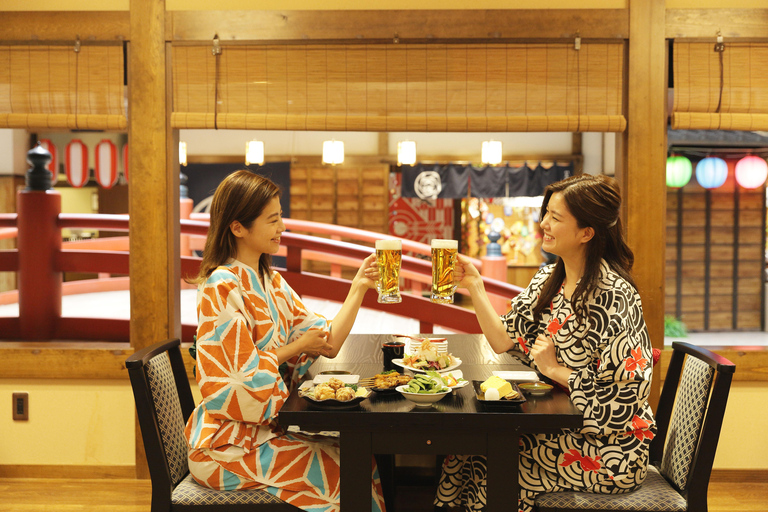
x=255 y=340
x=580 y=324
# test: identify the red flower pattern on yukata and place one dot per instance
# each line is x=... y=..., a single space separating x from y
x=523 y=344
x=555 y=325
x=586 y=463
x=635 y=363
x=641 y=429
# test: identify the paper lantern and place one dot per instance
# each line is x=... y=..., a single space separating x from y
x=751 y=171
x=125 y=162
x=491 y=152
x=254 y=152
x=711 y=172
x=76 y=164
x=406 y=152
x=106 y=163
x=679 y=171
x=333 y=152
x=53 y=165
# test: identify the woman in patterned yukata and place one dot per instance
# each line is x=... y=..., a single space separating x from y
x=255 y=340
x=580 y=324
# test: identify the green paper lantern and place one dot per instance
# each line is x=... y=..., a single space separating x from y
x=679 y=171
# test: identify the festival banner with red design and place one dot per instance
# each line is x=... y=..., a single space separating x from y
x=417 y=219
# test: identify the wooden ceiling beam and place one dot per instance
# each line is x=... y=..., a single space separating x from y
x=407 y=26
x=705 y=23
x=57 y=26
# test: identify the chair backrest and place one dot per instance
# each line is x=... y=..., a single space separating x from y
x=689 y=418
x=163 y=402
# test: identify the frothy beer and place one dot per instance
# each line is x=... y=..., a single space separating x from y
x=388 y=256
x=443 y=260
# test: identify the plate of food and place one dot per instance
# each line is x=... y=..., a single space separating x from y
x=424 y=390
x=333 y=394
x=427 y=357
x=497 y=391
x=386 y=382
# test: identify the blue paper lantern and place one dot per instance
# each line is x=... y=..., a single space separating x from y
x=679 y=171
x=711 y=172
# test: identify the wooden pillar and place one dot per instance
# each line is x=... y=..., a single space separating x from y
x=153 y=187
x=642 y=150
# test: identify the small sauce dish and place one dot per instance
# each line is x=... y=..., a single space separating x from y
x=535 y=388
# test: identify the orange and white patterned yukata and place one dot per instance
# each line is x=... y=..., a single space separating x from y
x=234 y=438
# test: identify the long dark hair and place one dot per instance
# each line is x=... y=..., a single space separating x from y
x=594 y=201
x=241 y=196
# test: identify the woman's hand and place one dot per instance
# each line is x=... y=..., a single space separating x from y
x=315 y=343
x=543 y=354
x=465 y=274
x=368 y=273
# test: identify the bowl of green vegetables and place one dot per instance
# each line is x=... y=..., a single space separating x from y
x=424 y=390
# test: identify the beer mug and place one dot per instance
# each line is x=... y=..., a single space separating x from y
x=388 y=256
x=443 y=261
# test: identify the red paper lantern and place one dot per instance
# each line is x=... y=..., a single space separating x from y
x=53 y=165
x=106 y=163
x=125 y=162
x=751 y=171
x=77 y=163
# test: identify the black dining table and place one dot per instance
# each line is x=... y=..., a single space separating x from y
x=387 y=423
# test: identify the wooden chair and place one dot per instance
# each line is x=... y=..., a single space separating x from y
x=164 y=402
x=689 y=418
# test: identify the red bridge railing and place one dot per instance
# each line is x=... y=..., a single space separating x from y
x=41 y=258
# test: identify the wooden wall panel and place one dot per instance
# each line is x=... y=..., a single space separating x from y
x=352 y=195
x=717 y=284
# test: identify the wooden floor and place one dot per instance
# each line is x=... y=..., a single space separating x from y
x=115 y=495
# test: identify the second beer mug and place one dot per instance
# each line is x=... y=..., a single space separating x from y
x=388 y=256
x=443 y=260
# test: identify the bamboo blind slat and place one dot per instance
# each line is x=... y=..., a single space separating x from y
x=401 y=87
x=701 y=103
x=52 y=87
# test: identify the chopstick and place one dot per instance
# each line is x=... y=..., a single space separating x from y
x=368 y=381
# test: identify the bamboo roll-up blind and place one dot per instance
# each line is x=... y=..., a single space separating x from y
x=44 y=87
x=711 y=96
x=401 y=87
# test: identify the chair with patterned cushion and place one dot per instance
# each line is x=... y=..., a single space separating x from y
x=688 y=418
x=163 y=403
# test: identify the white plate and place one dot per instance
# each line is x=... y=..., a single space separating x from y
x=457 y=374
x=517 y=376
x=346 y=379
x=399 y=362
x=413 y=343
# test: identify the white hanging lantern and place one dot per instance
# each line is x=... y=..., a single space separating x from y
x=76 y=163
x=406 y=152
x=53 y=165
x=183 y=153
x=333 y=152
x=254 y=152
x=125 y=162
x=106 y=163
x=491 y=153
